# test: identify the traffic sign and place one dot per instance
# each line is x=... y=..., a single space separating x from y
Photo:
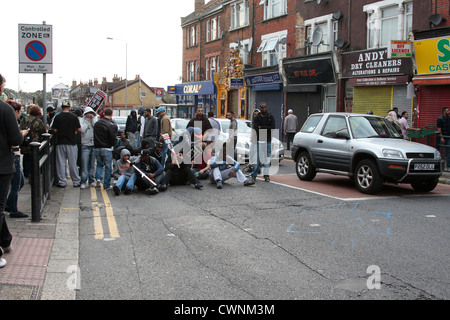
x=35 y=48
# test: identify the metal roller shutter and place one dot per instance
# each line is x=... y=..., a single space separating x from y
x=431 y=101
x=402 y=102
x=376 y=99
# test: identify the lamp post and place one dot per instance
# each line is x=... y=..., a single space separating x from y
x=126 y=69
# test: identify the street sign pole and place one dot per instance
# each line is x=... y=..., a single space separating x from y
x=44 y=95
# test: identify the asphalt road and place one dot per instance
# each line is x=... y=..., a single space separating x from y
x=264 y=242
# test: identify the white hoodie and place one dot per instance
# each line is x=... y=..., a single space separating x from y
x=87 y=127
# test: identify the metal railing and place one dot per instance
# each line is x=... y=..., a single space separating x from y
x=443 y=147
x=43 y=161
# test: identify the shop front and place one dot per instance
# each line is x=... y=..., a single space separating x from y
x=432 y=78
x=310 y=85
x=374 y=82
x=266 y=85
x=192 y=95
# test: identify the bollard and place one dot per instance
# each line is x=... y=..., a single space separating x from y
x=35 y=183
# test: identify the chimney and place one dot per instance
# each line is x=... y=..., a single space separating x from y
x=74 y=83
x=95 y=82
x=104 y=80
x=138 y=76
x=199 y=4
x=115 y=78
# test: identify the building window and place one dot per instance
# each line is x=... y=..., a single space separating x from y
x=212 y=62
x=388 y=20
x=274 y=8
x=191 y=38
x=239 y=14
x=190 y=68
x=327 y=28
x=208 y=31
x=272 y=48
x=207 y=69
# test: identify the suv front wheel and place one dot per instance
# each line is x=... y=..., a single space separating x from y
x=367 y=178
x=304 y=168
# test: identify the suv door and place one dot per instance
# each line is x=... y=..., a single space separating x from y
x=330 y=151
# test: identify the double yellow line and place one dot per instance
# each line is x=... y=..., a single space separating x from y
x=98 y=226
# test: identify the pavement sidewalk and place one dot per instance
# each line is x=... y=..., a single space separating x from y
x=44 y=260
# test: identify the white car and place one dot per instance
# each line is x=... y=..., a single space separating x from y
x=120 y=121
x=243 y=142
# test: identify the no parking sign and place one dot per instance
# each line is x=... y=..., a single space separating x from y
x=35 y=48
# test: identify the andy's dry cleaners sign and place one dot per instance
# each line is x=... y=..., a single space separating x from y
x=373 y=67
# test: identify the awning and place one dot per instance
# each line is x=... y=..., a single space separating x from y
x=431 y=79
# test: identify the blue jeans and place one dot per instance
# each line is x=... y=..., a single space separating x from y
x=164 y=152
x=104 y=160
x=17 y=183
x=263 y=158
x=127 y=181
x=87 y=164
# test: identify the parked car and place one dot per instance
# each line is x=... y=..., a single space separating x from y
x=120 y=121
x=366 y=148
x=244 y=133
x=243 y=142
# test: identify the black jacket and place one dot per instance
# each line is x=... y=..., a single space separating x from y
x=9 y=136
x=105 y=133
x=264 y=123
x=132 y=124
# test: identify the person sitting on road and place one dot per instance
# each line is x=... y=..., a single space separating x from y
x=178 y=173
x=224 y=167
x=127 y=175
x=153 y=169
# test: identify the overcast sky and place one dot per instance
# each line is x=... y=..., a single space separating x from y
x=81 y=51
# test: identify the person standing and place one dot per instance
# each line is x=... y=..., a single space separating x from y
x=87 y=147
x=37 y=128
x=290 y=127
x=105 y=131
x=18 y=180
x=199 y=121
x=131 y=128
x=10 y=136
x=65 y=126
x=150 y=128
x=232 y=132
x=443 y=125
x=404 y=126
x=166 y=128
x=263 y=125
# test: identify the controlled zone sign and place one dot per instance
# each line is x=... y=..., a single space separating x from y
x=35 y=48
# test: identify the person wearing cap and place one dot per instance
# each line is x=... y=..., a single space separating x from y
x=153 y=169
x=166 y=128
x=290 y=127
x=65 y=126
x=87 y=123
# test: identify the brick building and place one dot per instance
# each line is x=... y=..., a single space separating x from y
x=312 y=56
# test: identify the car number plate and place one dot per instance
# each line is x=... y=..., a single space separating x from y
x=423 y=166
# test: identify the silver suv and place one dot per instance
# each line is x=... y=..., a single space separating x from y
x=366 y=148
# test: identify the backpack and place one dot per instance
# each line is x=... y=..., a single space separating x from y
x=29 y=137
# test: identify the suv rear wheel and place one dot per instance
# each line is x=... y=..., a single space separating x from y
x=367 y=178
x=304 y=168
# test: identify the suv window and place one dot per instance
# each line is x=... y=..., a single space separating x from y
x=311 y=124
x=371 y=127
x=334 y=125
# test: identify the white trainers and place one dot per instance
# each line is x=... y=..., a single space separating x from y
x=93 y=184
x=82 y=186
x=2 y=262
